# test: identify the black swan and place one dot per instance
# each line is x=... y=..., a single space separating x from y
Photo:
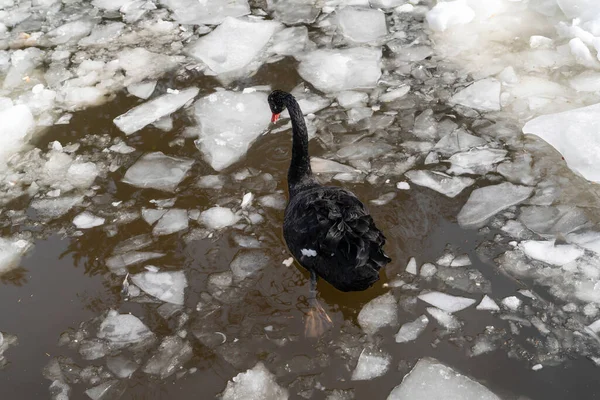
x=326 y=228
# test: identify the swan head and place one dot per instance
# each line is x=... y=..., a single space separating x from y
x=277 y=100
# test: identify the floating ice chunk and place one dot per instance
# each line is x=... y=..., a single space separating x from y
x=447 y=185
x=103 y=35
x=379 y=312
x=247 y=200
x=194 y=12
x=70 y=32
x=589 y=240
x=447 y=14
x=87 y=220
x=446 y=302
x=11 y=252
x=110 y=5
x=151 y=215
x=430 y=379
x=361 y=25
x=550 y=252
x=140 y=64
x=211 y=182
x=482 y=345
x=55 y=207
x=428 y=270
x=121 y=148
x=17 y=124
x=123 y=329
x=276 y=201
x=158 y=171
x=292 y=12
x=290 y=41
x=82 y=175
x=411 y=268
x=254 y=384
x=575 y=135
x=338 y=70
x=112 y=389
x=218 y=218
x=233 y=45
x=383 y=199
x=93 y=349
x=143 y=90
x=402 y=186
x=512 y=303
x=487 y=304
x=117 y=262
x=447 y=320
x=349 y=98
x=229 y=123
x=170 y=356
x=147 y=113
x=172 y=221
x=121 y=366
x=483 y=95
x=487 y=201
x=456 y=141
x=371 y=364
x=476 y=161
x=165 y=286
x=410 y=331
x=394 y=94
x=74 y=98
x=248 y=263
x=323 y=166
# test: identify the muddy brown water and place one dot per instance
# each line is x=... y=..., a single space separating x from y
x=63 y=282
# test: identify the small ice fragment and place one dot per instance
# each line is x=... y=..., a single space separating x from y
x=411 y=268
x=450 y=186
x=447 y=14
x=379 y=312
x=308 y=252
x=170 y=356
x=254 y=384
x=174 y=220
x=540 y=42
x=248 y=263
x=143 y=90
x=446 y=302
x=402 y=186
x=87 y=220
x=448 y=321
x=394 y=94
x=461 y=261
x=276 y=201
x=158 y=171
x=218 y=218
x=428 y=270
x=487 y=304
x=123 y=329
x=247 y=200
x=288 y=261
x=121 y=366
x=409 y=331
x=537 y=367
x=361 y=24
x=483 y=95
x=512 y=303
x=121 y=148
x=371 y=364
x=165 y=286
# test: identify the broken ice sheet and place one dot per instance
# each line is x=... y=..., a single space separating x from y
x=339 y=70
x=476 y=161
x=55 y=207
x=447 y=320
x=458 y=140
x=361 y=24
x=257 y=383
x=218 y=218
x=371 y=364
x=194 y=12
x=229 y=123
x=409 y=331
x=172 y=353
x=450 y=186
x=11 y=252
x=292 y=12
x=158 y=171
x=166 y=286
x=123 y=329
x=377 y=313
x=446 y=302
x=174 y=220
x=117 y=263
x=485 y=202
x=87 y=220
x=430 y=379
x=151 y=111
x=550 y=252
x=233 y=45
x=483 y=95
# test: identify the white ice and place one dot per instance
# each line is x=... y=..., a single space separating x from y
x=457 y=140
x=428 y=270
x=143 y=90
x=118 y=262
x=446 y=14
x=360 y=24
x=11 y=253
x=512 y=303
x=229 y=123
x=123 y=329
x=430 y=379
x=17 y=124
x=410 y=331
x=575 y=134
x=199 y=12
x=447 y=302
x=483 y=95
x=450 y=186
x=411 y=268
x=158 y=171
x=344 y=69
x=447 y=320
x=170 y=356
x=551 y=253
x=371 y=364
x=487 y=304
x=233 y=45
x=218 y=218
x=87 y=220
x=54 y=207
x=121 y=366
x=394 y=94
x=166 y=286
x=476 y=161
x=485 y=202
x=174 y=220
x=153 y=110
x=257 y=383
x=377 y=313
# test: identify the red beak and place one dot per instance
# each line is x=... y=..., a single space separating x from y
x=274 y=118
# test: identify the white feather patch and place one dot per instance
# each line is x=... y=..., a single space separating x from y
x=308 y=252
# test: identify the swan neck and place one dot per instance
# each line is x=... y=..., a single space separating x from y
x=300 y=170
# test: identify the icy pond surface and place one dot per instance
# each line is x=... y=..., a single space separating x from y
x=142 y=191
